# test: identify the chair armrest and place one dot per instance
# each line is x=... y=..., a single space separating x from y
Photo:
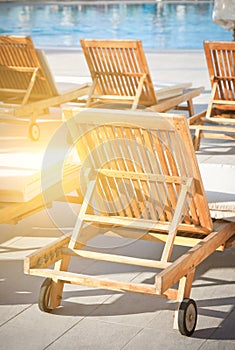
x=197 y=118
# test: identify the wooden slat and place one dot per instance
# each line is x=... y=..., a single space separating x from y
x=94 y=282
x=116 y=258
x=89 y=281
x=176 y=220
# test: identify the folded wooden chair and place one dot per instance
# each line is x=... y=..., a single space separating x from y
x=140 y=180
x=220 y=58
x=27 y=87
x=120 y=74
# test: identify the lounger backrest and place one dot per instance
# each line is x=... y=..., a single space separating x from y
x=19 y=60
x=47 y=72
x=220 y=57
x=140 y=164
x=118 y=66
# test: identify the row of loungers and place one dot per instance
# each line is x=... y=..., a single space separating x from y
x=137 y=178
x=120 y=75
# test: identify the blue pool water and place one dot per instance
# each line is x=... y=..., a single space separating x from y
x=158 y=25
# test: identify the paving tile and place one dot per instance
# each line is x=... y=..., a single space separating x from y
x=8 y=312
x=215 y=151
x=218 y=345
x=96 y=335
x=226 y=329
x=82 y=301
x=213 y=291
x=223 y=335
x=33 y=329
x=19 y=247
x=16 y=287
x=126 y=308
x=150 y=339
x=129 y=308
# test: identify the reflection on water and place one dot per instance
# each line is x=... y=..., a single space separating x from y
x=159 y=26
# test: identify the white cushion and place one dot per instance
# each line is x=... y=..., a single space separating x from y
x=219 y=184
x=21 y=176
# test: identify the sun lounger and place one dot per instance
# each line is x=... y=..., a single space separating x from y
x=140 y=180
x=27 y=88
x=120 y=74
x=27 y=189
x=218 y=120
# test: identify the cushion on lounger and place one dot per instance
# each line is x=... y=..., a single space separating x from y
x=219 y=184
x=21 y=176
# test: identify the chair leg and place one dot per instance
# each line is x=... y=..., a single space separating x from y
x=57 y=285
x=197 y=139
x=210 y=104
x=190 y=107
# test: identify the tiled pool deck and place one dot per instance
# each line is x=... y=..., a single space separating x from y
x=99 y=319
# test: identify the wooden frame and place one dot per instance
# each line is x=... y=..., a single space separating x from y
x=139 y=176
x=220 y=58
x=27 y=87
x=120 y=74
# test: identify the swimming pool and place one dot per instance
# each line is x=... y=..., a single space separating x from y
x=159 y=25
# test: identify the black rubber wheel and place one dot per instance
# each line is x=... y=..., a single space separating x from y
x=34 y=131
x=187 y=317
x=44 y=295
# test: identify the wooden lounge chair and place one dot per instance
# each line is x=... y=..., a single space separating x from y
x=220 y=58
x=27 y=88
x=120 y=74
x=140 y=180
